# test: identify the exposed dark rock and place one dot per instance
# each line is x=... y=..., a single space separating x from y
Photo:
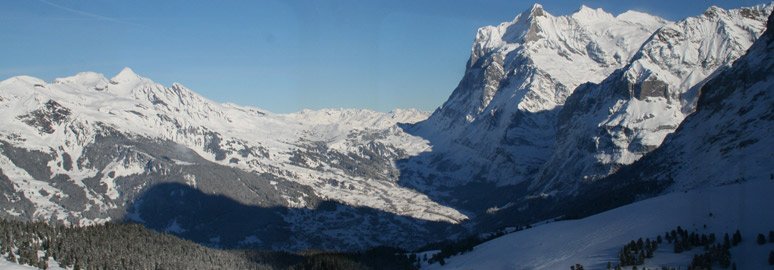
x=45 y=118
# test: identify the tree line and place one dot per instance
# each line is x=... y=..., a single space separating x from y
x=132 y=246
x=714 y=251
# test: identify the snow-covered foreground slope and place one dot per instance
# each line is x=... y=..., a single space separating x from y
x=6 y=265
x=596 y=240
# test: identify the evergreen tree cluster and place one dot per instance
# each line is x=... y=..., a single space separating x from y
x=683 y=240
x=131 y=246
x=328 y=261
x=378 y=258
x=461 y=246
x=714 y=251
x=635 y=252
x=109 y=246
x=455 y=248
x=771 y=240
x=714 y=254
x=761 y=239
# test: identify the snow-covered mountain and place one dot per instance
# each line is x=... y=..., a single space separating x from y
x=85 y=148
x=613 y=123
x=498 y=124
x=549 y=103
x=720 y=159
x=728 y=139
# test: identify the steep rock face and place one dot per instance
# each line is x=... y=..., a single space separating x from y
x=498 y=124
x=728 y=139
x=611 y=124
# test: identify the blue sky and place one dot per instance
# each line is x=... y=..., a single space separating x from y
x=278 y=55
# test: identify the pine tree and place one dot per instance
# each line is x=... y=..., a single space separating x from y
x=724 y=259
x=737 y=238
x=726 y=241
x=771 y=257
x=761 y=239
x=771 y=236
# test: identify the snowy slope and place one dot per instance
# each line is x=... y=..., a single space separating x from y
x=596 y=240
x=498 y=124
x=6 y=265
x=611 y=124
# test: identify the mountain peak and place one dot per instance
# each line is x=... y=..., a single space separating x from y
x=585 y=13
x=536 y=11
x=585 y=8
x=92 y=80
x=126 y=75
x=641 y=18
x=713 y=11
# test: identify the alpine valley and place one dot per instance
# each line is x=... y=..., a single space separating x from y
x=555 y=118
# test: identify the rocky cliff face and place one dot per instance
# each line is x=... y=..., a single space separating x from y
x=556 y=102
x=604 y=126
x=728 y=139
x=499 y=123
